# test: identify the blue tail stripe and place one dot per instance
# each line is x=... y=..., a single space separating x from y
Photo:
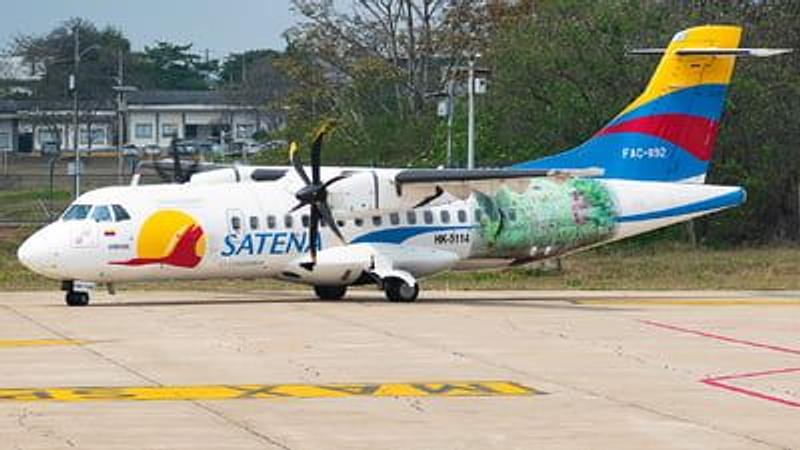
x=728 y=200
x=646 y=158
x=705 y=100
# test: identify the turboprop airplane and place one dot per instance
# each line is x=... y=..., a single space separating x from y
x=345 y=226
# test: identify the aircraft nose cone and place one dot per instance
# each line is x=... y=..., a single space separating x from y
x=34 y=253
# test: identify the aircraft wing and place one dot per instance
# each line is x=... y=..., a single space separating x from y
x=431 y=183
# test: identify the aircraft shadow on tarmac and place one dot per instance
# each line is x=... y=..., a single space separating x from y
x=556 y=303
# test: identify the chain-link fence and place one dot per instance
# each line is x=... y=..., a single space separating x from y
x=36 y=189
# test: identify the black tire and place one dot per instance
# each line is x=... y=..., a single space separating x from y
x=77 y=298
x=330 y=292
x=398 y=290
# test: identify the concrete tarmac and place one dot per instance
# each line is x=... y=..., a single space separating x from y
x=458 y=370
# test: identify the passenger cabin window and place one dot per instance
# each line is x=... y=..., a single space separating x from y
x=377 y=220
x=120 y=213
x=102 y=214
x=271 y=222
x=287 y=221
x=411 y=217
x=253 y=222
x=478 y=216
x=341 y=223
x=358 y=222
x=236 y=223
x=512 y=215
x=305 y=220
x=394 y=218
x=445 y=216
x=428 y=217
x=462 y=216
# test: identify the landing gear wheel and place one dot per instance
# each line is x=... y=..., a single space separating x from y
x=77 y=298
x=330 y=292
x=398 y=290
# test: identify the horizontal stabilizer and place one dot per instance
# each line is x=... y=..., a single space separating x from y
x=713 y=51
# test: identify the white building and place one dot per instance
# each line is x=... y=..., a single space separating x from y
x=149 y=118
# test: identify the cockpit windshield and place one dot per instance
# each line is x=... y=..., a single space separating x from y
x=77 y=212
x=98 y=213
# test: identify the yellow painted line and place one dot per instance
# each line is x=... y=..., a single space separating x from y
x=11 y=343
x=691 y=302
x=270 y=391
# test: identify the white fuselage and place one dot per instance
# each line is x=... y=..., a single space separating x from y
x=245 y=229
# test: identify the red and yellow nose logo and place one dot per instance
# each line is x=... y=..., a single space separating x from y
x=169 y=237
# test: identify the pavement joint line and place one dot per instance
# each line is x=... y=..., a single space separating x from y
x=207 y=409
x=515 y=370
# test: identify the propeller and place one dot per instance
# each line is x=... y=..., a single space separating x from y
x=315 y=193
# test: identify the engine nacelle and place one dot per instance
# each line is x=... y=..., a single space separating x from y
x=366 y=192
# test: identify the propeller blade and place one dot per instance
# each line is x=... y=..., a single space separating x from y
x=298 y=206
x=296 y=163
x=316 y=159
x=335 y=179
x=325 y=211
x=313 y=233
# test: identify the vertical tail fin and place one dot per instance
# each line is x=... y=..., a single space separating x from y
x=669 y=132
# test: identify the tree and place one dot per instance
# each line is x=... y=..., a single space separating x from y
x=172 y=66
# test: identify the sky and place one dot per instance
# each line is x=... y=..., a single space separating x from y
x=221 y=26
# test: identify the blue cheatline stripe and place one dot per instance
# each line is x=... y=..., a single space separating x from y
x=402 y=234
x=608 y=152
x=705 y=100
x=728 y=200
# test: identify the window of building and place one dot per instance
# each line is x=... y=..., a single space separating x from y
x=48 y=136
x=120 y=213
x=411 y=217
x=462 y=216
x=5 y=140
x=394 y=218
x=377 y=220
x=245 y=130
x=271 y=222
x=253 y=222
x=101 y=214
x=144 y=131
x=287 y=221
x=427 y=216
x=98 y=136
x=169 y=130
x=445 y=216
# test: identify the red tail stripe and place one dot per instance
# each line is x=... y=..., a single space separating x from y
x=695 y=134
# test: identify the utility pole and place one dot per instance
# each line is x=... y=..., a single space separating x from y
x=450 y=107
x=471 y=115
x=75 y=131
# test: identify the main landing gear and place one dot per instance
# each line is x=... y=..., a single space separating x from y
x=73 y=297
x=398 y=290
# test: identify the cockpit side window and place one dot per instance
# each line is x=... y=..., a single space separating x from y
x=102 y=214
x=120 y=213
x=77 y=212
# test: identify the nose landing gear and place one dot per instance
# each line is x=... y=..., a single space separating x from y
x=74 y=297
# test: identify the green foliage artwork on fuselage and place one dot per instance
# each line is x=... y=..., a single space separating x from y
x=559 y=214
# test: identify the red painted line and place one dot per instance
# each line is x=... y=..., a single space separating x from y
x=717 y=383
x=721 y=338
